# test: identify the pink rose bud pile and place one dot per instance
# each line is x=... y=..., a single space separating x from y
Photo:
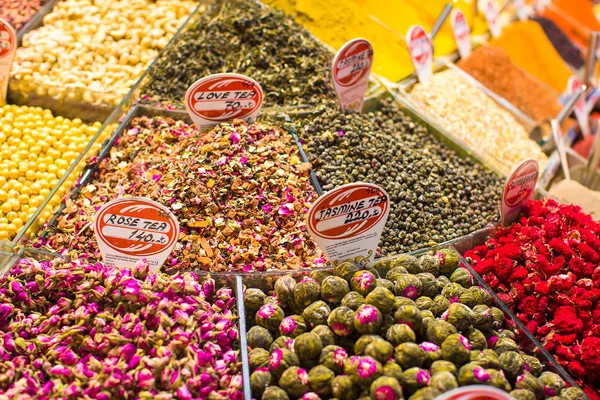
x=77 y=330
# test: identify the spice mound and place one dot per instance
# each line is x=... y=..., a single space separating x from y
x=492 y=67
x=474 y=117
x=19 y=12
x=240 y=193
x=77 y=330
x=435 y=194
x=409 y=327
x=546 y=269
x=244 y=37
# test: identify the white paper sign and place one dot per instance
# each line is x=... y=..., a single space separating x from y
x=347 y=222
x=491 y=16
x=350 y=72
x=133 y=228
x=222 y=98
x=518 y=190
x=462 y=33
x=581 y=110
x=8 y=48
x=421 y=52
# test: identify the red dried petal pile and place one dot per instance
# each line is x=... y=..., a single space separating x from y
x=546 y=269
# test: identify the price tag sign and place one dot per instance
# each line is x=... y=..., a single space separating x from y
x=491 y=16
x=347 y=221
x=518 y=190
x=350 y=71
x=462 y=33
x=133 y=228
x=581 y=110
x=8 y=48
x=222 y=98
x=421 y=52
x=475 y=392
x=521 y=9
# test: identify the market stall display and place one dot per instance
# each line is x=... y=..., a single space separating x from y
x=240 y=193
x=544 y=267
x=19 y=12
x=36 y=149
x=470 y=114
x=436 y=195
x=244 y=37
x=575 y=17
x=77 y=330
x=93 y=54
x=422 y=330
x=561 y=42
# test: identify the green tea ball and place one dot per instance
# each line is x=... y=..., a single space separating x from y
x=498 y=318
x=381 y=298
x=553 y=383
x=363 y=282
x=325 y=334
x=270 y=317
x=408 y=286
x=284 y=289
x=410 y=263
x=281 y=359
x=512 y=364
x=367 y=319
x=320 y=275
x=414 y=379
x=442 y=281
x=498 y=380
x=440 y=305
x=456 y=349
x=429 y=264
x=382 y=266
x=361 y=344
x=443 y=366
x=506 y=334
x=432 y=351
x=258 y=358
x=483 y=318
x=477 y=339
x=522 y=394
x=308 y=346
x=443 y=381
x=333 y=357
x=533 y=365
x=448 y=260
x=367 y=370
x=531 y=383
x=572 y=393
x=346 y=270
x=310 y=396
x=394 y=273
x=472 y=374
x=409 y=315
x=253 y=299
x=453 y=291
x=316 y=313
x=505 y=344
x=333 y=289
x=409 y=355
x=486 y=358
x=380 y=350
x=386 y=388
x=385 y=283
x=392 y=370
x=429 y=285
x=426 y=393
x=400 y=333
x=424 y=303
x=463 y=277
x=343 y=388
x=341 y=321
x=260 y=380
x=292 y=326
x=282 y=342
x=460 y=316
x=439 y=330
x=319 y=380
x=306 y=291
x=353 y=300
x=258 y=336
x=294 y=381
x=275 y=393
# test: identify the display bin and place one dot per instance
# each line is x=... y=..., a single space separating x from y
x=74 y=102
x=535 y=348
x=402 y=93
x=234 y=282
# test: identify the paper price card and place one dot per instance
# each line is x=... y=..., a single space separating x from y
x=491 y=16
x=222 y=98
x=420 y=49
x=350 y=71
x=132 y=228
x=347 y=221
x=475 y=392
x=8 y=47
x=521 y=9
x=581 y=110
x=518 y=190
x=462 y=33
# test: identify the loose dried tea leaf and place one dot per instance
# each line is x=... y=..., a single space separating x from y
x=244 y=37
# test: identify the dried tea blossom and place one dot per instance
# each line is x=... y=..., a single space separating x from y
x=275 y=393
x=353 y=300
x=400 y=333
x=325 y=334
x=334 y=288
x=281 y=359
x=245 y=37
x=341 y=321
x=258 y=358
x=253 y=299
x=382 y=298
x=386 y=388
x=78 y=330
x=240 y=193
x=319 y=380
x=308 y=346
x=294 y=381
x=292 y=326
x=363 y=282
x=316 y=313
x=282 y=342
x=260 y=380
x=333 y=357
x=306 y=292
x=269 y=316
x=367 y=319
x=259 y=337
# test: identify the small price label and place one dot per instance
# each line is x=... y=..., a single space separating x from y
x=130 y=229
x=462 y=33
x=347 y=221
x=518 y=190
x=521 y=9
x=476 y=392
x=421 y=52
x=491 y=16
x=350 y=71
x=581 y=110
x=8 y=48
x=222 y=98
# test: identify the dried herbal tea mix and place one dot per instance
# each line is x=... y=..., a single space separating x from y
x=240 y=193
x=435 y=194
x=244 y=37
x=409 y=328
